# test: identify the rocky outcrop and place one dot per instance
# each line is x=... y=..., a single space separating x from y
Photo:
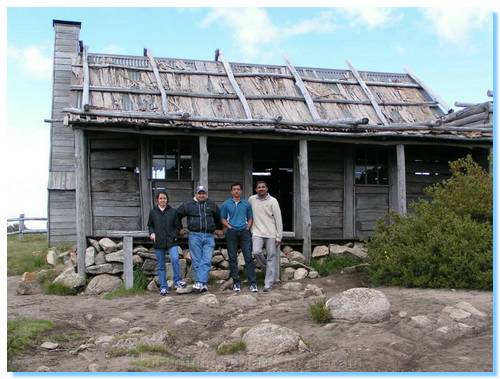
x=360 y=304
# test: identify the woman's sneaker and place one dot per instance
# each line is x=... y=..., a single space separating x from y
x=204 y=288
x=267 y=289
x=253 y=288
x=198 y=286
x=236 y=287
x=180 y=284
x=164 y=291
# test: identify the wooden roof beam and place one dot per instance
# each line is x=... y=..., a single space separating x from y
x=221 y=58
x=368 y=93
x=307 y=97
x=152 y=62
x=86 y=78
x=446 y=108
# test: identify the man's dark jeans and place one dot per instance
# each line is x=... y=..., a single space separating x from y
x=243 y=240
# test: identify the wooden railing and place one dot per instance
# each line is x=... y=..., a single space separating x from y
x=22 y=228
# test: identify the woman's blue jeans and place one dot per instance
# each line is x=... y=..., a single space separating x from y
x=160 y=265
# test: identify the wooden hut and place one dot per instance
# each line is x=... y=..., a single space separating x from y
x=338 y=147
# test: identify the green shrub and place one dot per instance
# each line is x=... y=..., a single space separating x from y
x=320 y=312
x=446 y=242
x=58 y=289
x=332 y=265
x=233 y=347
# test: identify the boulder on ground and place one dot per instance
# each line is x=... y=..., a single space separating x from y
x=102 y=284
x=300 y=273
x=108 y=246
x=107 y=268
x=270 y=339
x=70 y=279
x=52 y=257
x=320 y=251
x=296 y=256
x=360 y=304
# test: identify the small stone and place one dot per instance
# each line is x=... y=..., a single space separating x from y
x=152 y=286
x=24 y=288
x=90 y=254
x=288 y=273
x=313 y=274
x=303 y=347
x=43 y=369
x=443 y=329
x=51 y=257
x=470 y=308
x=95 y=245
x=103 y=339
x=93 y=367
x=164 y=300
x=456 y=313
x=89 y=316
x=292 y=287
x=287 y=249
x=118 y=321
x=49 y=345
x=29 y=277
x=184 y=321
x=136 y=329
x=108 y=245
x=300 y=273
x=403 y=314
x=219 y=274
x=216 y=259
x=185 y=290
x=420 y=321
x=202 y=345
x=209 y=300
x=238 y=332
x=296 y=256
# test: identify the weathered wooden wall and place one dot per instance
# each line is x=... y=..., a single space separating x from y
x=371 y=203
x=326 y=189
x=225 y=166
x=61 y=186
x=434 y=161
x=114 y=184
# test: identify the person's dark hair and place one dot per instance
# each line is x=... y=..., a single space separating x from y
x=261 y=182
x=236 y=184
x=158 y=193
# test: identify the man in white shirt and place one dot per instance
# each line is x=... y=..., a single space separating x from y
x=267 y=230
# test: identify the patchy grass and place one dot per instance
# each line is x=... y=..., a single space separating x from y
x=232 y=347
x=27 y=254
x=139 y=288
x=320 y=312
x=23 y=334
x=333 y=265
x=58 y=289
x=138 y=350
x=166 y=364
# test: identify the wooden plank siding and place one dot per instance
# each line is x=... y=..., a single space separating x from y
x=114 y=184
x=62 y=217
x=326 y=189
x=225 y=166
x=371 y=203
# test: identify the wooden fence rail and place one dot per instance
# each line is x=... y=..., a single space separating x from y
x=22 y=228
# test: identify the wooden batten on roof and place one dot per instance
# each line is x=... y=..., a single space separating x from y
x=216 y=95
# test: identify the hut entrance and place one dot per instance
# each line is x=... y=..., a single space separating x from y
x=273 y=163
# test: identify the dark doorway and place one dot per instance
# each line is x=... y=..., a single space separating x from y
x=273 y=163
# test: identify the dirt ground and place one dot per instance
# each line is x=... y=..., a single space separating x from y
x=392 y=345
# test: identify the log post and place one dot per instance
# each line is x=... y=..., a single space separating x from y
x=304 y=200
x=82 y=198
x=21 y=226
x=203 y=161
x=128 y=267
x=348 y=216
x=145 y=188
x=401 y=180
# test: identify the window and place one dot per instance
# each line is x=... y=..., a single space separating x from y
x=371 y=166
x=171 y=159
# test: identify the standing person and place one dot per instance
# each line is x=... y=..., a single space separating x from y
x=203 y=219
x=267 y=230
x=236 y=216
x=163 y=226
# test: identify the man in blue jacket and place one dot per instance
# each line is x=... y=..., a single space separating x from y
x=236 y=216
x=203 y=219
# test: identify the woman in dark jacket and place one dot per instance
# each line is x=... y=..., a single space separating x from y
x=163 y=226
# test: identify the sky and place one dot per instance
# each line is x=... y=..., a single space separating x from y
x=450 y=49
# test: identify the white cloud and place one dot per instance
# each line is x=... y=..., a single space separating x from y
x=32 y=60
x=454 y=25
x=253 y=29
x=370 y=17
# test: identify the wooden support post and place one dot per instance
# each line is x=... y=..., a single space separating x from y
x=203 y=161
x=82 y=198
x=401 y=176
x=86 y=79
x=152 y=62
x=444 y=105
x=490 y=160
x=348 y=216
x=247 y=170
x=304 y=200
x=21 y=226
x=235 y=85
x=307 y=97
x=144 y=177
x=368 y=93
x=128 y=267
